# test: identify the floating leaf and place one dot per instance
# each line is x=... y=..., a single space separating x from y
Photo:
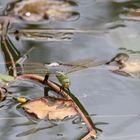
x=49 y=108
x=126 y=65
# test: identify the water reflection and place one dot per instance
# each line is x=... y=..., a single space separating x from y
x=37 y=10
x=43 y=36
x=129 y=10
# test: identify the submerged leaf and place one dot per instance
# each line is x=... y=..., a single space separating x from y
x=49 y=108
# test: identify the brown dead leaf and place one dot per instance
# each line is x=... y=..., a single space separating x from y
x=49 y=108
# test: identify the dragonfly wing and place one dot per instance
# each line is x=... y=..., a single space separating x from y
x=42 y=69
x=31 y=68
x=82 y=64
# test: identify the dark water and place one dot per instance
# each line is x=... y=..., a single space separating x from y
x=103 y=28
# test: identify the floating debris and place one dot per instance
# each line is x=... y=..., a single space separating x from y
x=131 y=14
x=126 y=65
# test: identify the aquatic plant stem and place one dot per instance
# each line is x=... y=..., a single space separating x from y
x=5 y=23
x=80 y=109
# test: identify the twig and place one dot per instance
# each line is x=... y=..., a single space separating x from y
x=61 y=30
x=78 y=106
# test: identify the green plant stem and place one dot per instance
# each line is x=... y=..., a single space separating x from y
x=5 y=23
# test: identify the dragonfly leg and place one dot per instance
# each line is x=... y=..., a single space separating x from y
x=62 y=89
x=68 y=90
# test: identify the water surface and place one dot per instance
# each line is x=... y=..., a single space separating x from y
x=101 y=32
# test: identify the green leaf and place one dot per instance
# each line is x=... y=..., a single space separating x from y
x=6 y=78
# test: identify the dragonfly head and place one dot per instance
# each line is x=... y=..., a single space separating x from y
x=59 y=73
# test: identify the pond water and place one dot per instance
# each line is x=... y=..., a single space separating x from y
x=104 y=29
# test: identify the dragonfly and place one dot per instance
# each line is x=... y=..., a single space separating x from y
x=59 y=69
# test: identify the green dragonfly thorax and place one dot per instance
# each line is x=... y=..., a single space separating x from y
x=63 y=79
